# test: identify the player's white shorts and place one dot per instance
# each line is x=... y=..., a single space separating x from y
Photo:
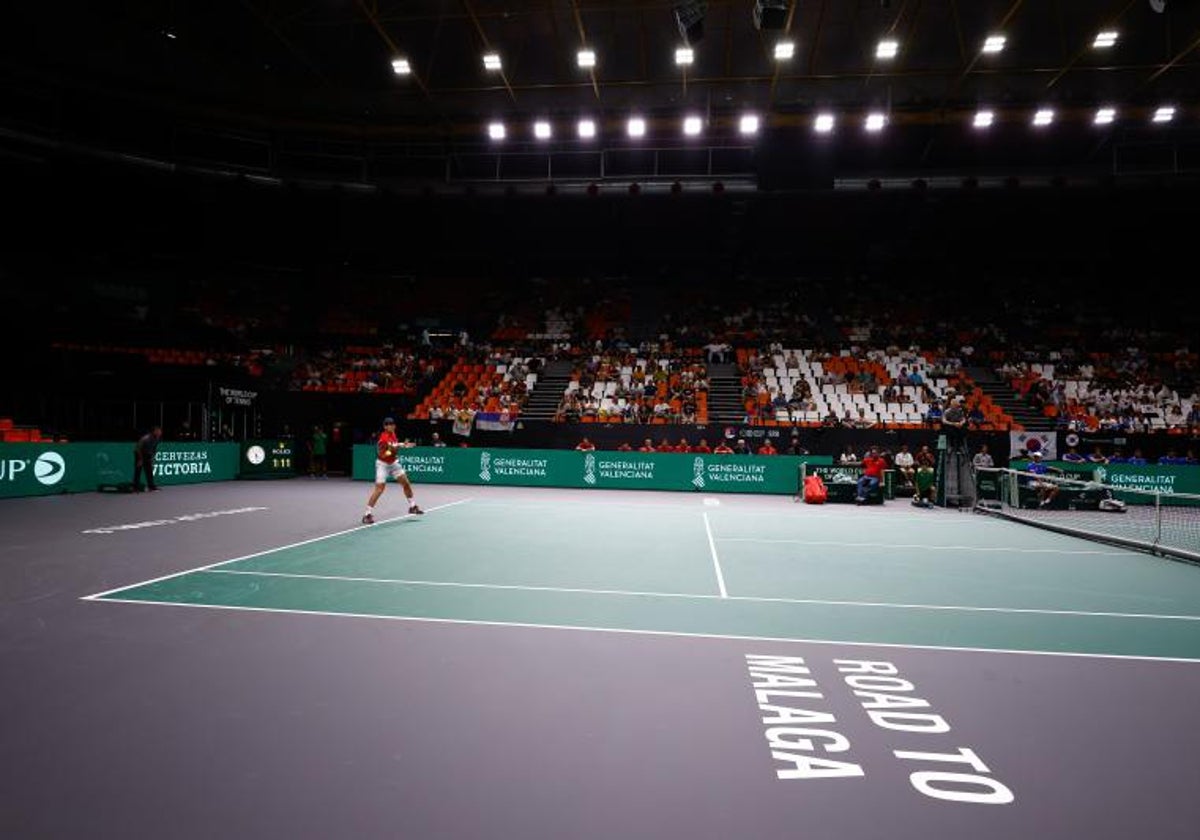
x=383 y=470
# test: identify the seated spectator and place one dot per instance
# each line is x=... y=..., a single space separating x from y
x=767 y=448
x=585 y=445
x=683 y=446
x=740 y=448
x=905 y=465
x=872 y=475
x=1097 y=456
x=848 y=457
x=647 y=446
x=702 y=447
x=664 y=445
x=1137 y=458
x=624 y=447
x=722 y=448
x=1073 y=455
x=983 y=458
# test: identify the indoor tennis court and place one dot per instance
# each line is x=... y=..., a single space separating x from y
x=518 y=661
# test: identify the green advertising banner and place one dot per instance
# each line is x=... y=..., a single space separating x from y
x=41 y=469
x=1148 y=478
x=599 y=470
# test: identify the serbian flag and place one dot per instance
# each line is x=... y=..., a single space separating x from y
x=494 y=421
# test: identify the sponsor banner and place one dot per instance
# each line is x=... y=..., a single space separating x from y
x=1169 y=481
x=40 y=469
x=601 y=470
x=1021 y=444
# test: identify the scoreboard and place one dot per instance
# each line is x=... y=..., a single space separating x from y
x=268 y=458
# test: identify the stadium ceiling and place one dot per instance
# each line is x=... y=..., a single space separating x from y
x=328 y=67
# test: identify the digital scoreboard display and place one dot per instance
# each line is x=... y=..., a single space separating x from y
x=268 y=458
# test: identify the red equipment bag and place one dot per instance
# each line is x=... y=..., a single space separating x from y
x=815 y=492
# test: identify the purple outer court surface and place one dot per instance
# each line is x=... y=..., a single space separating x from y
x=404 y=680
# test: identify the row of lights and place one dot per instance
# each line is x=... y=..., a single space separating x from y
x=885 y=50
x=824 y=123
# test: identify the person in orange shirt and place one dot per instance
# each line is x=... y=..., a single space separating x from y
x=873 y=466
x=767 y=449
x=585 y=445
x=647 y=446
x=702 y=447
x=683 y=446
x=722 y=448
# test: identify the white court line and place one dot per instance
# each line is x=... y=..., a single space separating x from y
x=701 y=597
x=934 y=547
x=671 y=633
x=902 y=518
x=712 y=546
x=108 y=592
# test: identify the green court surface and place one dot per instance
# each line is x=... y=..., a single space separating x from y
x=880 y=576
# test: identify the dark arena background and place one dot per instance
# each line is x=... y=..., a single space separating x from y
x=796 y=419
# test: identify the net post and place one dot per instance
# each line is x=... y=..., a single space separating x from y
x=1157 y=517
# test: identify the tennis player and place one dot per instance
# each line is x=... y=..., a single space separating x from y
x=387 y=449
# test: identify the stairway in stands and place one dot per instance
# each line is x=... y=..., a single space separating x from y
x=1004 y=396
x=547 y=393
x=725 y=394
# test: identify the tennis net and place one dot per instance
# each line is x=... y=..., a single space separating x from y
x=1163 y=523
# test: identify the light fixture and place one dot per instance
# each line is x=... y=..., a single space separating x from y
x=887 y=48
x=994 y=43
x=748 y=124
x=586 y=58
x=784 y=50
x=1043 y=117
x=400 y=66
x=1164 y=114
x=541 y=130
x=824 y=123
x=587 y=129
x=692 y=125
x=491 y=61
x=876 y=121
x=496 y=131
x=636 y=127
x=1104 y=116
x=684 y=56
x=984 y=119
x=1105 y=39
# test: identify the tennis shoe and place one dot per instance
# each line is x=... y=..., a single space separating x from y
x=368 y=519
x=416 y=509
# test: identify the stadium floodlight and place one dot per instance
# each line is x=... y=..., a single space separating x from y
x=984 y=119
x=684 y=56
x=1104 y=116
x=994 y=43
x=491 y=61
x=541 y=130
x=1043 y=117
x=586 y=58
x=887 y=48
x=587 y=129
x=876 y=121
x=496 y=131
x=824 y=123
x=1105 y=39
x=784 y=50
x=692 y=125
x=748 y=124
x=636 y=127
x=401 y=67
x=1164 y=114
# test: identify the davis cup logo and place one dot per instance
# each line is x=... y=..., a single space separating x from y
x=49 y=468
x=698 y=473
x=485 y=465
x=589 y=468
